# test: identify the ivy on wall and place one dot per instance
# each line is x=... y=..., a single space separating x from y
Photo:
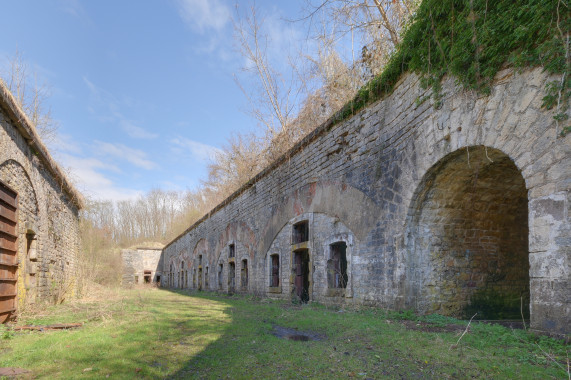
x=472 y=40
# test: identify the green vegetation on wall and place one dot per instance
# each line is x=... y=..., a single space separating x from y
x=471 y=40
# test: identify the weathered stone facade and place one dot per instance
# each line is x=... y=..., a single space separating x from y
x=142 y=265
x=47 y=229
x=456 y=210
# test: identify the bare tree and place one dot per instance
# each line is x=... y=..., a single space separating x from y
x=291 y=103
x=375 y=24
x=238 y=161
x=31 y=95
x=276 y=95
x=99 y=258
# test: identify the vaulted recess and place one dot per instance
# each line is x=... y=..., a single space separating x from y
x=467 y=238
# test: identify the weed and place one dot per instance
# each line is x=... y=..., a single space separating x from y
x=441 y=320
x=5 y=332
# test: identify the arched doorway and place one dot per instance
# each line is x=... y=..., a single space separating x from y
x=467 y=238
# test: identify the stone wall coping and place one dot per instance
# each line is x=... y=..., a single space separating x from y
x=27 y=129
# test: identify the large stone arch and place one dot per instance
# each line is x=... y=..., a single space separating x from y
x=324 y=232
x=242 y=238
x=172 y=270
x=201 y=259
x=13 y=174
x=467 y=237
x=512 y=121
x=349 y=204
x=343 y=203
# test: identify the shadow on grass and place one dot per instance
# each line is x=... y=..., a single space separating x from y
x=364 y=344
x=249 y=348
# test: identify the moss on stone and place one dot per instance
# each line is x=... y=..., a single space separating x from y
x=472 y=40
x=492 y=304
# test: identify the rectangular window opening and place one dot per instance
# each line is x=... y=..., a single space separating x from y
x=300 y=232
x=337 y=266
x=244 y=274
x=220 y=271
x=275 y=271
x=231 y=277
x=231 y=250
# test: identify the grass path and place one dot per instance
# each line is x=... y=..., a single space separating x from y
x=154 y=334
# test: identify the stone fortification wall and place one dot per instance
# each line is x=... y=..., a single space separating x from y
x=457 y=210
x=47 y=229
x=141 y=265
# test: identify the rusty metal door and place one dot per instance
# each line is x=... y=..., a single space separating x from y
x=8 y=251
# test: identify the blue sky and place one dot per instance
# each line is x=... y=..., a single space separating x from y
x=143 y=91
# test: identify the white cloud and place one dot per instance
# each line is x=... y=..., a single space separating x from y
x=104 y=99
x=137 y=132
x=197 y=150
x=86 y=173
x=64 y=143
x=134 y=156
x=73 y=7
x=203 y=15
x=111 y=111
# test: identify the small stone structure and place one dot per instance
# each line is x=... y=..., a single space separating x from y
x=458 y=210
x=39 y=208
x=142 y=265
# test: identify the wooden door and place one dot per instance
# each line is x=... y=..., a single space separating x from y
x=301 y=262
x=8 y=251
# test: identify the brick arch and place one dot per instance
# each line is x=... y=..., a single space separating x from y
x=238 y=231
x=350 y=205
x=201 y=248
x=172 y=271
x=512 y=121
x=467 y=237
x=13 y=174
x=243 y=237
x=325 y=230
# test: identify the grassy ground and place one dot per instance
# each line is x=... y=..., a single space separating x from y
x=150 y=333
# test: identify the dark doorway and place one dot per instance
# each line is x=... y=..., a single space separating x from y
x=337 y=266
x=147 y=277
x=220 y=271
x=275 y=271
x=232 y=278
x=244 y=275
x=301 y=269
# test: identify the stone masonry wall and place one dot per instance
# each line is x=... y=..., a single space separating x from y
x=48 y=228
x=441 y=208
x=137 y=261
